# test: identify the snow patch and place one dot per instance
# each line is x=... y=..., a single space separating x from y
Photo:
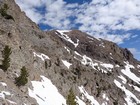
x=42 y=56
x=111 y=55
x=105 y=97
x=11 y=102
x=67 y=49
x=89 y=97
x=76 y=44
x=138 y=66
x=128 y=94
x=3 y=84
x=4 y=93
x=129 y=74
x=79 y=101
x=63 y=31
x=102 y=45
x=90 y=38
x=66 y=37
x=88 y=61
x=66 y=63
x=136 y=88
x=105 y=103
x=123 y=79
x=108 y=66
x=46 y=93
x=117 y=66
x=77 y=53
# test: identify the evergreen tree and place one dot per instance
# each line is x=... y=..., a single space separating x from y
x=6 y=58
x=71 y=98
x=22 y=79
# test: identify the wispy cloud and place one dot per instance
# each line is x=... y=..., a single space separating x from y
x=135 y=52
x=115 y=38
x=29 y=6
x=99 y=17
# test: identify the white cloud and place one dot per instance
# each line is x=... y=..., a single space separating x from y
x=30 y=3
x=29 y=7
x=135 y=52
x=58 y=13
x=115 y=38
x=99 y=17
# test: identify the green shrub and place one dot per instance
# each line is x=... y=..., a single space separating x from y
x=3 y=12
x=22 y=79
x=6 y=58
x=71 y=98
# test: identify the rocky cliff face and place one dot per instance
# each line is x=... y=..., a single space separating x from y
x=98 y=71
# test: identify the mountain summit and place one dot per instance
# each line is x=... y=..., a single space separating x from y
x=61 y=67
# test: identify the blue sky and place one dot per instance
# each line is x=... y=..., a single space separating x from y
x=113 y=20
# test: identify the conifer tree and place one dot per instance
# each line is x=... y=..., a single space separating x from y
x=22 y=79
x=71 y=98
x=6 y=58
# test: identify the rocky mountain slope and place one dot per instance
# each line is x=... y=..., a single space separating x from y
x=97 y=71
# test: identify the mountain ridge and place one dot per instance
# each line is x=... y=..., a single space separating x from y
x=98 y=71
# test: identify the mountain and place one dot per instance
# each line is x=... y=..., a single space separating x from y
x=61 y=66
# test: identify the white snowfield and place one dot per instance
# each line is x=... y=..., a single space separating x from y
x=129 y=74
x=89 y=97
x=66 y=37
x=129 y=95
x=46 y=93
x=66 y=63
x=43 y=57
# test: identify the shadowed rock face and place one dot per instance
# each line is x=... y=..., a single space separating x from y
x=70 y=59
